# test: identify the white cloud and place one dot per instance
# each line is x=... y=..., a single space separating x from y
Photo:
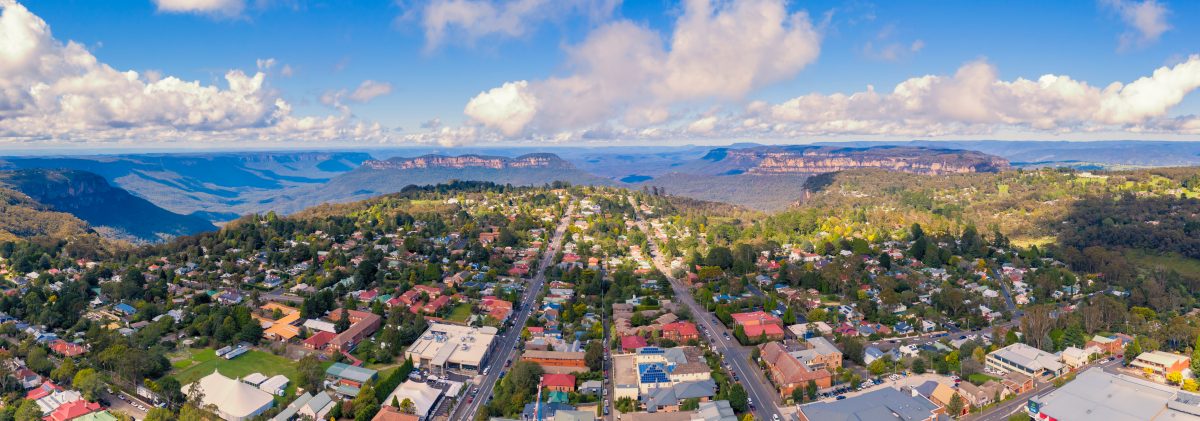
x=1147 y=20
x=213 y=7
x=475 y=19
x=369 y=90
x=56 y=92
x=507 y=108
x=974 y=100
x=624 y=70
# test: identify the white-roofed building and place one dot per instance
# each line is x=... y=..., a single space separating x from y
x=445 y=347
x=1097 y=395
x=233 y=400
x=275 y=385
x=423 y=396
x=320 y=325
x=51 y=402
x=1026 y=360
x=254 y=379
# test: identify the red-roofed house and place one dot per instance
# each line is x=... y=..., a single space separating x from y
x=319 y=340
x=410 y=297
x=43 y=390
x=73 y=410
x=788 y=373
x=497 y=308
x=759 y=323
x=536 y=331
x=632 y=343
x=66 y=349
x=431 y=291
x=559 y=382
x=680 y=331
x=436 y=305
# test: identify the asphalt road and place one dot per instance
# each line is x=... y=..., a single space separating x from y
x=507 y=343
x=761 y=393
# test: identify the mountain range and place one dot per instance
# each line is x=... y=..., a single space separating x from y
x=93 y=204
x=217 y=187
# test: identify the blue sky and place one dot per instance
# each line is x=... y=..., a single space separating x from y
x=531 y=80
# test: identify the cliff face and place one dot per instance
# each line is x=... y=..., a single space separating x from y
x=540 y=160
x=818 y=160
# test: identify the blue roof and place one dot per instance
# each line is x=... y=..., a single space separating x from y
x=653 y=373
x=125 y=308
x=651 y=350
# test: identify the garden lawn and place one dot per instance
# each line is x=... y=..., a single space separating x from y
x=460 y=314
x=979 y=378
x=251 y=362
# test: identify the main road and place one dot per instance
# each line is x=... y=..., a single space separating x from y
x=507 y=343
x=762 y=394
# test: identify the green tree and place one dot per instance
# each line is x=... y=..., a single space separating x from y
x=343 y=321
x=810 y=389
x=1132 y=351
x=310 y=374
x=1196 y=356
x=160 y=414
x=88 y=382
x=594 y=356
x=954 y=408
x=918 y=366
x=738 y=399
x=28 y=411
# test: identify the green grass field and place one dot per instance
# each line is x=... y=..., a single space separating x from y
x=204 y=361
x=460 y=314
x=1184 y=265
x=979 y=378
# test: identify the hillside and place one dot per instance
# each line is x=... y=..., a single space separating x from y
x=216 y=186
x=377 y=177
x=110 y=210
x=23 y=217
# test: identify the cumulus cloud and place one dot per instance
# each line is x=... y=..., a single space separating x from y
x=720 y=51
x=369 y=90
x=1147 y=21
x=974 y=100
x=213 y=7
x=53 y=91
x=474 y=19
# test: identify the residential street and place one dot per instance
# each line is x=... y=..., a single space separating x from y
x=506 y=345
x=760 y=391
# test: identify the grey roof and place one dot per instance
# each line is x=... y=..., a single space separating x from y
x=885 y=404
x=926 y=389
x=350 y=372
x=715 y=411
x=1096 y=395
x=668 y=396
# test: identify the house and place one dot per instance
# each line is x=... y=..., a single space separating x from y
x=631 y=343
x=558 y=382
x=820 y=354
x=680 y=331
x=714 y=411
x=1017 y=383
x=758 y=324
x=66 y=349
x=591 y=387
x=1107 y=345
x=1074 y=357
x=983 y=394
x=307 y=406
x=788 y=373
x=73 y=410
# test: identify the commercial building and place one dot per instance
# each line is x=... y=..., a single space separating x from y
x=1111 y=346
x=557 y=362
x=883 y=404
x=1161 y=363
x=445 y=347
x=231 y=399
x=1097 y=395
x=1025 y=359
